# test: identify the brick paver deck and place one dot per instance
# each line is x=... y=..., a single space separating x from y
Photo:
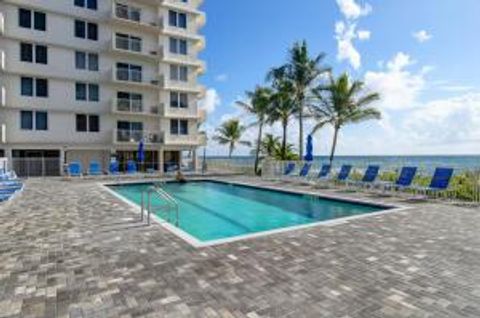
x=71 y=249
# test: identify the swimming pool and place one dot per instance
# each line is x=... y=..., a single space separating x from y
x=211 y=210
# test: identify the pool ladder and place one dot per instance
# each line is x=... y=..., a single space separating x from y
x=170 y=204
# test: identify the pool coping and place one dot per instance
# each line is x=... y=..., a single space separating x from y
x=389 y=208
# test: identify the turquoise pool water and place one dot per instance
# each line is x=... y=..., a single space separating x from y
x=213 y=210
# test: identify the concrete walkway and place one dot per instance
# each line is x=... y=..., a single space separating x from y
x=71 y=249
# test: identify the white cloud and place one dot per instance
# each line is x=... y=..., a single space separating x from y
x=221 y=78
x=345 y=34
x=210 y=101
x=346 y=31
x=422 y=36
x=399 y=88
x=364 y=35
x=352 y=10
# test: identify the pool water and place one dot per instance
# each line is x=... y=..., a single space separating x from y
x=214 y=210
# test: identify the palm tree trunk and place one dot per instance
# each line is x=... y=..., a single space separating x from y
x=230 y=151
x=300 y=122
x=257 y=153
x=334 y=144
x=284 y=140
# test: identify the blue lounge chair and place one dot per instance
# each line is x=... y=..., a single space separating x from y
x=289 y=169
x=131 y=167
x=95 y=168
x=368 y=179
x=439 y=184
x=344 y=173
x=114 y=167
x=75 y=169
x=404 y=180
x=303 y=174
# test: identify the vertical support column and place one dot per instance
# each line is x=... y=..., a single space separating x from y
x=194 y=159
x=62 y=161
x=161 y=161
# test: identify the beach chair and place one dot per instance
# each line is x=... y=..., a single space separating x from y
x=302 y=175
x=404 y=180
x=342 y=177
x=287 y=171
x=131 y=167
x=438 y=185
x=114 y=168
x=368 y=179
x=95 y=168
x=323 y=174
x=75 y=169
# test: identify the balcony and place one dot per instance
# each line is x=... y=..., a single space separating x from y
x=3 y=133
x=190 y=86
x=2 y=60
x=133 y=17
x=189 y=33
x=3 y=96
x=184 y=140
x=133 y=107
x=131 y=47
x=135 y=136
x=182 y=113
x=135 y=77
x=2 y=23
x=185 y=59
x=189 y=7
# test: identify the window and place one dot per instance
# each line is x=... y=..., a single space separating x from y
x=126 y=12
x=87 y=123
x=41 y=54
x=25 y=19
x=26 y=86
x=178 y=127
x=86 y=30
x=27 y=120
x=129 y=131
x=41 y=121
x=87 y=92
x=89 y=4
x=179 y=73
x=129 y=102
x=128 y=42
x=178 y=100
x=42 y=87
x=177 y=19
x=40 y=21
x=129 y=72
x=85 y=61
x=178 y=46
x=27 y=52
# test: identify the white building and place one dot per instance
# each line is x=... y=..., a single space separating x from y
x=88 y=79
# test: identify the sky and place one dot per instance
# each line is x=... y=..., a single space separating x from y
x=421 y=56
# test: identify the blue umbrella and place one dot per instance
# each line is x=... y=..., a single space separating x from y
x=141 y=152
x=309 y=154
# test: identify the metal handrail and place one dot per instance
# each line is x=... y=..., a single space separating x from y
x=162 y=194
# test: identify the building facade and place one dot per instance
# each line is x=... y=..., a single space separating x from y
x=84 y=80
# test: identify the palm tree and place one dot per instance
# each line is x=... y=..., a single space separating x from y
x=282 y=107
x=259 y=106
x=269 y=144
x=340 y=103
x=303 y=72
x=230 y=133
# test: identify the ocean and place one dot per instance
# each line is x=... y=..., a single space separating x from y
x=426 y=163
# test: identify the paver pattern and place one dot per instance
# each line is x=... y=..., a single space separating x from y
x=71 y=249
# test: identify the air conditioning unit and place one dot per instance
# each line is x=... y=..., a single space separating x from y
x=154 y=110
x=155 y=82
x=154 y=53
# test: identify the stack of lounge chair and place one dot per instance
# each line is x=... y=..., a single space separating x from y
x=10 y=185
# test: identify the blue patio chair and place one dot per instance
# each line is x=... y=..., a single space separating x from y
x=95 y=168
x=131 y=167
x=114 y=167
x=439 y=184
x=289 y=169
x=368 y=178
x=75 y=169
x=303 y=174
x=344 y=173
x=404 y=180
x=322 y=175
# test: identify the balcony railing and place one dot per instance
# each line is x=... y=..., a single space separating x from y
x=2 y=23
x=122 y=43
x=188 y=59
x=133 y=107
x=198 y=139
x=135 y=136
x=128 y=75
x=127 y=13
